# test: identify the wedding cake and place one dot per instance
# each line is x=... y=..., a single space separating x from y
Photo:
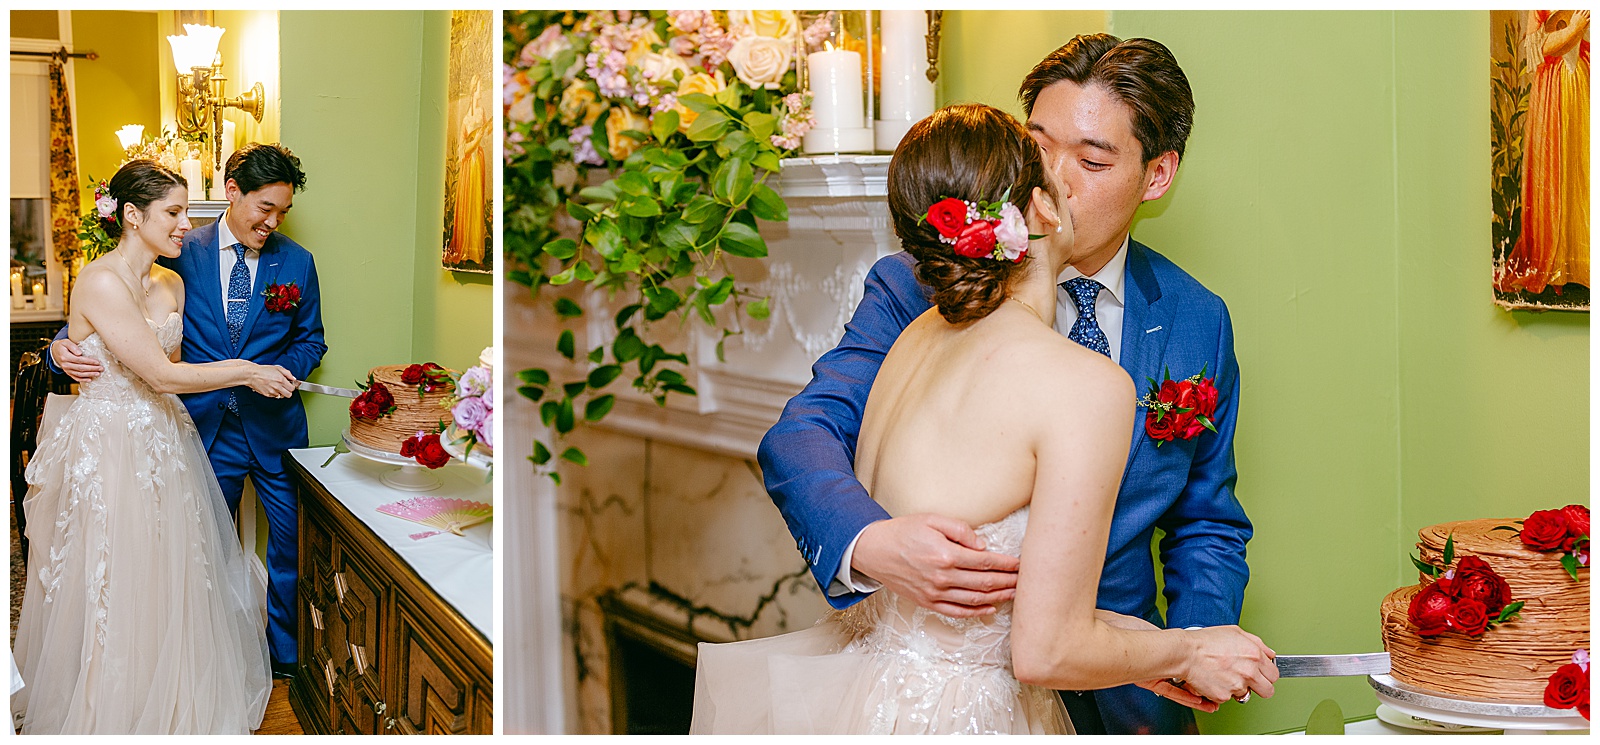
x=399 y=402
x=1432 y=644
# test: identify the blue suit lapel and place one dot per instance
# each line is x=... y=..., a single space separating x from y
x=1146 y=326
x=266 y=273
x=206 y=288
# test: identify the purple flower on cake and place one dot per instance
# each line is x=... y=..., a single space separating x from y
x=469 y=413
x=485 y=431
x=474 y=382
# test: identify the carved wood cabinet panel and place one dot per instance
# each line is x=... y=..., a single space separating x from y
x=380 y=652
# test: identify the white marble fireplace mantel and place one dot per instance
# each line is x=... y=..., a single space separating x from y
x=816 y=265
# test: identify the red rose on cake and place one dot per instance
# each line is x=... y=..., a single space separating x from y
x=427 y=449
x=373 y=403
x=1469 y=617
x=1430 y=611
x=1475 y=580
x=1577 y=526
x=1569 y=686
x=1545 y=530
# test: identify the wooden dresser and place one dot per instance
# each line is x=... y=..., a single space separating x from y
x=380 y=651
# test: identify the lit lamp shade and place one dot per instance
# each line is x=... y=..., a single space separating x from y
x=130 y=135
x=197 y=48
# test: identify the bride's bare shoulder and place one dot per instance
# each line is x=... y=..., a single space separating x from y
x=1060 y=376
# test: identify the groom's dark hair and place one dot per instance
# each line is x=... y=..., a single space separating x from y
x=257 y=164
x=1141 y=73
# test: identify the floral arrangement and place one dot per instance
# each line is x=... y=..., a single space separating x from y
x=1565 y=530
x=92 y=223
x=282 y=298
x=1180 y=409
x=976 y=230
x=1568 y=687
x=684 y=115
x=375 y=401
x=1470 y=598
x=473 y=408
x=426 y=449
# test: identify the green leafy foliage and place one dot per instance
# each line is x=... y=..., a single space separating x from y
x=653 y=213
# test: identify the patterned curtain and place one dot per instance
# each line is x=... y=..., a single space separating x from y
x=64 y=203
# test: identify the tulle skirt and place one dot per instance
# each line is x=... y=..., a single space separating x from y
x=141 y=614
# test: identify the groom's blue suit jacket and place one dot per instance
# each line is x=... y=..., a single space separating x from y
x=1184 y=488
x=291 y=338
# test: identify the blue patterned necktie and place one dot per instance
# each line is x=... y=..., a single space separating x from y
x=238 y=306
x=1086 y=330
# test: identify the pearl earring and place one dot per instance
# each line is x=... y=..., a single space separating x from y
x=1058 y=228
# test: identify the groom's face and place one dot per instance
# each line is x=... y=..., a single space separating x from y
x=1088 y=140
x=253 y=216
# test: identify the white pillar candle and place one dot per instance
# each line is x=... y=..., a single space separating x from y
x=835 y=88
x=907 y=95
x=16 y=290
x=38 y=295
x=190 y=168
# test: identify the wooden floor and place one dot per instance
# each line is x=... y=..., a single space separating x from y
x=280 y=719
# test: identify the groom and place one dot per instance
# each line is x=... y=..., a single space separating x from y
x=1113 y=117
x=228 y=267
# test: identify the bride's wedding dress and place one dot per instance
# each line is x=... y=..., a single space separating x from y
x=881 y=666
x=141 y=615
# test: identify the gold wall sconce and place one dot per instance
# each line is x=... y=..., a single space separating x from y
x=201 y=89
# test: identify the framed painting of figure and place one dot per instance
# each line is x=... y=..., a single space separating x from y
x=1539 y=133
x=468 y=185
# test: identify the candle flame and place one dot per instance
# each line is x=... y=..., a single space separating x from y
x=827 y=46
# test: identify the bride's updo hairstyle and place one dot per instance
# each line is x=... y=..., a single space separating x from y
x=972 y=152
x=139 y=182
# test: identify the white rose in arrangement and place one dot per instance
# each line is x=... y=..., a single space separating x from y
x=760 y=61
x=658 y=67
x=775 y=24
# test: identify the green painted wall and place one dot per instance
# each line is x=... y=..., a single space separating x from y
x=121 y=87
x=984 y=54
x=372 y=141
x=1335 y=194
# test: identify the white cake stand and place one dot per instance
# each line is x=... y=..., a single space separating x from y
x=459 y=452
x=1515 y=719
x=410 y=476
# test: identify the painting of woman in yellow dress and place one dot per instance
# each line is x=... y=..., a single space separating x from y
x=1547 y=265
x=469 y=202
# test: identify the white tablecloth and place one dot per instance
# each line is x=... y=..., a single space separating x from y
x=459 y=568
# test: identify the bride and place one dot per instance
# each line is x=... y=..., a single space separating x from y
x=140 y=615
x=984 y=413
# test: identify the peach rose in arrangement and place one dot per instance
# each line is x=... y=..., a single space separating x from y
x=620 y=146
x=776 y=24
x=659 y=66
x=760 y=61
x=579 y=101
x=643 y=44
x=709 y=84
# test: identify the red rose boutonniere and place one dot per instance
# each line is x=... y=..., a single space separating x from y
x=1470 y=598
x=426 y=449
x=1565 y=530
x=282 y=297
x=1180 y=409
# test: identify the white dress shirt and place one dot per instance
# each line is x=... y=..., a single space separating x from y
x=252 y=258
x=1108 y=307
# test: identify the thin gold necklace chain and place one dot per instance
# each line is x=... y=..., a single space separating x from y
x=1030 y=308
x=136 y=278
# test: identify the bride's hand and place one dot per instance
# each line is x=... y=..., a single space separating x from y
x=938 y=562
x=271 y=381
x=1161 y=686
x=1227 y=662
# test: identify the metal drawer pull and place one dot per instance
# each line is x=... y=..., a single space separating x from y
x=389 y=723
x=379 y=708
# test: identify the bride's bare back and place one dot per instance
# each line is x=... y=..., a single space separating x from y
x=957 y=415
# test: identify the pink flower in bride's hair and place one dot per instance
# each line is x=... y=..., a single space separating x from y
x=1012 y=232
x=106 y=205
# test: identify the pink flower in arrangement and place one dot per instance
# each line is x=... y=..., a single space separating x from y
x=485 y=431
x=583 y=148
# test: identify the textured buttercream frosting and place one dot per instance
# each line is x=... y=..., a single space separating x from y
x=1512 y=661
x=410 y=416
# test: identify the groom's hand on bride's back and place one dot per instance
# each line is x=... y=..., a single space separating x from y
x=72 y=362
x=938 y=562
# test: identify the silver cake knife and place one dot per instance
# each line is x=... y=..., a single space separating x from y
x=327 y=390
x=1332 y=665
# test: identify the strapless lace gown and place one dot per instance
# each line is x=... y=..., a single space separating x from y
x=141 y=615
x=882 y=666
